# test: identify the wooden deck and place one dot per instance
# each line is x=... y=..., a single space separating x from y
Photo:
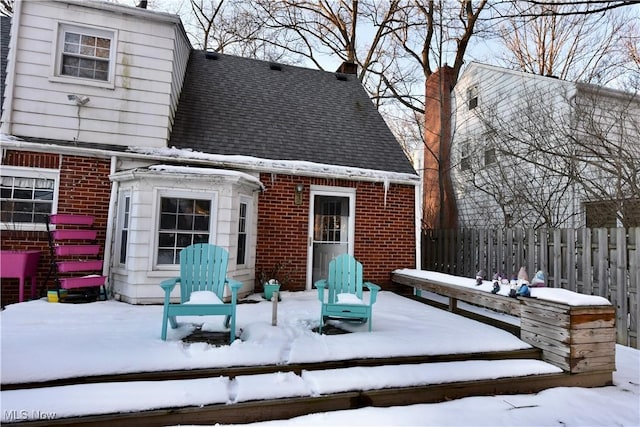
x=264 y=410
x=594 y=365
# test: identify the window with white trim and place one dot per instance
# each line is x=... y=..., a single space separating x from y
x=85 y=53
x=27 y=197
x=125 y=218
x=183 y=222
x=243 y=241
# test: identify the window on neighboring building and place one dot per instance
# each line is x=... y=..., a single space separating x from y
x=124 y=227
x=465 y=158
x=489 y=156
x=472 y=97
x=183 y=222
x=242 y=234
x=85 y=53
x=27 y=196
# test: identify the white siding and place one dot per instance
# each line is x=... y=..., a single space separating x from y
x=519 y=108
x=136 y=110
x=502 y=96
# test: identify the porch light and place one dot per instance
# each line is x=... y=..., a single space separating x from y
x=299 y=188
x=80 y=100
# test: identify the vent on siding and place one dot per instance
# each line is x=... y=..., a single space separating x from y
x=211 y=55
x=275 y=67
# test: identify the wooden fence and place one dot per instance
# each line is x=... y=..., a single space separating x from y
x=602 y=261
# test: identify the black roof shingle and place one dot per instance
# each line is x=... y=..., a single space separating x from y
x=239 y=106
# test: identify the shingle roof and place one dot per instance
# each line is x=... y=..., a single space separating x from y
x=238 y=106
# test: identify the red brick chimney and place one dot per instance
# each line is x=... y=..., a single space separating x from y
x=348 y=67
x=439 y=204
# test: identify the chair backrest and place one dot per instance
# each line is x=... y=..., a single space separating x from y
x=203 y=267
x=345 y=277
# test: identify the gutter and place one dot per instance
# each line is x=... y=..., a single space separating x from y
x=268 y=166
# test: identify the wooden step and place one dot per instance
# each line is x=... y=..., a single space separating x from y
x=297 y=368
x=287 y=408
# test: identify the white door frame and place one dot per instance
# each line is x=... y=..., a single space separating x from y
x=322 y=190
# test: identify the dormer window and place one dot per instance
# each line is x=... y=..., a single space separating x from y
x=85 y=53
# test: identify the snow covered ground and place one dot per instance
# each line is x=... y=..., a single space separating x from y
x=43 y=341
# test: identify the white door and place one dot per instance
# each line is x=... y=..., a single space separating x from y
x=331 y=229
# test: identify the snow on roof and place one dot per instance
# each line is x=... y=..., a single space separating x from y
x=288 y=166
x=206 y=171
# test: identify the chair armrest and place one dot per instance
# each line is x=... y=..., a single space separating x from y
x=235 y=286
x=320 y=285
x=374 y=291
x=169 y=284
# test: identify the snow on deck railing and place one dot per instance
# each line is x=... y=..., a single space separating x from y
x=562 y=296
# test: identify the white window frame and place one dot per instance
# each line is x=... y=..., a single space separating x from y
x=159 y=193
x=124 y=195
x=56 y=71
x=22 y=172
x=248 y=202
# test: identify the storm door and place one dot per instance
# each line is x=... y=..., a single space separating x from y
x=331 y=226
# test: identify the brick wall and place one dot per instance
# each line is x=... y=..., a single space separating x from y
x=84 y=189
x=384 y=235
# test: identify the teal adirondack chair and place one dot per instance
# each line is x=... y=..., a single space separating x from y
x=344 y=286
x=203 y=267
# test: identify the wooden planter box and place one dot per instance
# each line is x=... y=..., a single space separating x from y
x=577 y=338
x=574 y=338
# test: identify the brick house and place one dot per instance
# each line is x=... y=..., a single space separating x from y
x=109 y=111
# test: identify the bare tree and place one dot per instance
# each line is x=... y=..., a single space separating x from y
x=6 y=7
x=569 y=40
x=555 y=158
x=431 y=36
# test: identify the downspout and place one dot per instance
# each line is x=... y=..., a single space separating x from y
x=11 y=71
x=111 y=218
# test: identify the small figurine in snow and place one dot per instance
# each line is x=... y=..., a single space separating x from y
x=524 y=291
x=480 y=275
x=496 y=288
x=522 y=274
x=496 y=283
x=538 y=280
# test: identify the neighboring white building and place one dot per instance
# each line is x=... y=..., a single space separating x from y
x=537 y=151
